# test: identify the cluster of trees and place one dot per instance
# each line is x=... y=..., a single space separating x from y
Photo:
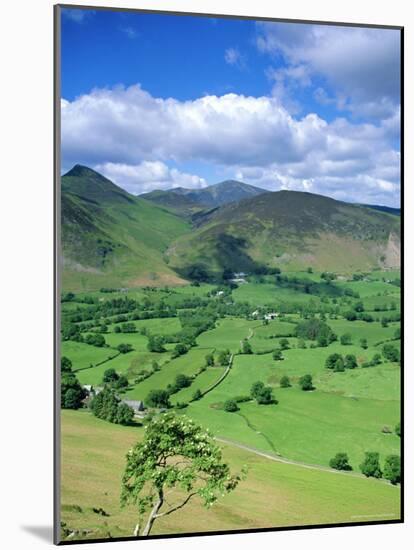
x=96 y=340
x=126 y=327
x=263 y=394
x=390 y=353
x=246 y=347
x=317 y=330
x=196 y=321
x=224 y=358
x=181 y=381
x=107 y=406
x=160 y=399
x=370 y=466
x=180 y=349
x=115 y=380
x=124 y=348
x=209 y=358
x=156 y=343
x=338 y=363
x=71 y=392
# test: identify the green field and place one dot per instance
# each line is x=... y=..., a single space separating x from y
x=354 y=411
x=274 y=494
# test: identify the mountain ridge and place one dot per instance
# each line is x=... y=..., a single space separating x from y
x=110 y=237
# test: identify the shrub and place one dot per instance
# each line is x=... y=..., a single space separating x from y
x=180 y=349
x=398 y=429
x=346 y=339
x=390 y=353
x=331 y=360
x=305 y=382
x=335 y=362
x=182 y=381
x=370 y=467
x=156 y=344
x=110 y=375
x=376 y=360
x=340 y=462
x=266 y=396
x=284 y=344
x=277 y=355
x=246 y=347
x=158 y=398
x=230 y=405
x=210 y=360
x=364 y=343
x=350 y=315
x=124 y=348
x=197 y=395
x=350 y=361
x=285 y=382
x=263 y=394
x=392 y=469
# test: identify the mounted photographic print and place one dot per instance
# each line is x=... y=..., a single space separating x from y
x=228 y=288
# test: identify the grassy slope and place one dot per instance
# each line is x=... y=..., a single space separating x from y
x=111 y=238
x=274 y=494
x=291 y=230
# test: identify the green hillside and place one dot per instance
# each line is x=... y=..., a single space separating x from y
x=174 y=202
x=111 y=238
x=291 y=230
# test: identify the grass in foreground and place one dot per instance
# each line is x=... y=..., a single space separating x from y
x=273 y=495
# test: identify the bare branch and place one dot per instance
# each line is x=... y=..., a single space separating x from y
x=171 y=510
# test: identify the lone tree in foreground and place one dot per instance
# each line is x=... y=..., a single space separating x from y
x=175 y=453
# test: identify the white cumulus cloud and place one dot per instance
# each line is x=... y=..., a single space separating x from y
x=148 y=175
x=133 y=137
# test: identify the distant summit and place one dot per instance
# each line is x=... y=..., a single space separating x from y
x=90 y=185
x=219 y=194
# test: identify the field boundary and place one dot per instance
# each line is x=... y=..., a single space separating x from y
x=98 y=364
x=222 y=377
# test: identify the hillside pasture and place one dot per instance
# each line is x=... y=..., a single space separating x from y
x=274 y=494
x=83 y=355
x=229 y=332
x=187 y=364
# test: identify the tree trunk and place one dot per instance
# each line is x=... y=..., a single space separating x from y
x=137 y=529
x=153 y=514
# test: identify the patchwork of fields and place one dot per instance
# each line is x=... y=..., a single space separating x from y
x=353 y=411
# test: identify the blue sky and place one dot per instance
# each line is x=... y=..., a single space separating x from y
x=158 y=101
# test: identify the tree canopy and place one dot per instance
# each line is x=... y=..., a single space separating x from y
x=176 y=453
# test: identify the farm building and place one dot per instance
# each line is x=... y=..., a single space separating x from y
x=138 y=406
x=271 y=316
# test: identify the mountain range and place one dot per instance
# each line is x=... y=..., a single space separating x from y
x=111 y=238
